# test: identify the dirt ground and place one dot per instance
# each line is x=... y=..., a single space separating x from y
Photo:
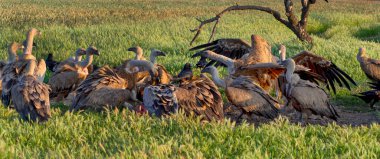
x=347 y=117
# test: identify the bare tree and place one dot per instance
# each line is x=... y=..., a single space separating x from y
x=297 y=26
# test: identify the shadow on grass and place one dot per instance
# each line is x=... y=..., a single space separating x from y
x=369 y=34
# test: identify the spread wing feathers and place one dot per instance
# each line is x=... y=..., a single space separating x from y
x=40 y=70
x=250 y=97
x=325 y=68
x=311 y=97
x=160 y=100
x=31 y=99
x=103 y=77
x=306 y=74
x=232 y=48
x=371 y=96
x=200 y=97
x=262 y=73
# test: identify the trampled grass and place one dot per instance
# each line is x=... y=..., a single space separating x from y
x=339 y=28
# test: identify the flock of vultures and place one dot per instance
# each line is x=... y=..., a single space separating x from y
x=301 y=82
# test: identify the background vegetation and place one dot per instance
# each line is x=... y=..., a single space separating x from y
x=339 y=28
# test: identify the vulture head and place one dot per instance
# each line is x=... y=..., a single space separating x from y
x=282 y=52
x=133 y=65
x=258 y=43
x=92 y=50
x=186 y=72
x=290 y=66
x=154 y=53
x=202 y=62
x=138 y=51
x=14 y=46
x=80 y=51
x=362 y=53
x=210 y=70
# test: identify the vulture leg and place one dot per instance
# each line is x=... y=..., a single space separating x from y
x=372 y=103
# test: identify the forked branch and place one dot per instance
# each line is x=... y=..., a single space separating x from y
x=292 y=22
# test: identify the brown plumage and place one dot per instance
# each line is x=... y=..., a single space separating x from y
x=102 y=89
x=306 y=97
x=263 y=74
x=12 y=57
x=69 y=76
x=370 y=67
x=245 y=94
x=329 y=73
x=259 y=51
x=30 y=96
x=71 y=61
x=143 y=78
x=15 y=69
x=198 y=96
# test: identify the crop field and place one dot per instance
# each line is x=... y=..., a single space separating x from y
x=338 y=28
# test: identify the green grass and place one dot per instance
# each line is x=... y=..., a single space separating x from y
x=339 y=28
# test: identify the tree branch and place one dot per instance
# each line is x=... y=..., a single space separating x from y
x=215 y=19
x=289 y=12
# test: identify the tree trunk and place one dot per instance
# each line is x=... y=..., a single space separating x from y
x=301 y=33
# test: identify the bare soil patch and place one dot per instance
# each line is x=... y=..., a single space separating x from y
x=347 y=117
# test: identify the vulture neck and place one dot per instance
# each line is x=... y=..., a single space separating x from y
x=223 y=59
x=139 y=54
x=30 y=68
x=361 y=55
x=152 y=57
x=77 y=57
x=12 y=53
x=290 y=67
x=88 y=61
x=29 y=42
x=282 y=53
x=215 y=77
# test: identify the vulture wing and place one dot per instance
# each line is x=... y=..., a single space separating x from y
x=231 y=48
x=40 y=70
x=9 y=78
x=250 y=97
x=311 y=97
x=200 y=97
x=31 y=99
x=103 y=77
x=371 y=96
x=325 y=68
x=261 y=73
x=160 y=100
x=65 y=80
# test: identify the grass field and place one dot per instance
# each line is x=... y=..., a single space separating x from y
x=339 y=28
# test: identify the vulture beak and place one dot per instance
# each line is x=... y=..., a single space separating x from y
x=204 y=70
x=201 y=63
x=131 y=49
x=97 y=53
x=160 y=53
x=201 y=53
